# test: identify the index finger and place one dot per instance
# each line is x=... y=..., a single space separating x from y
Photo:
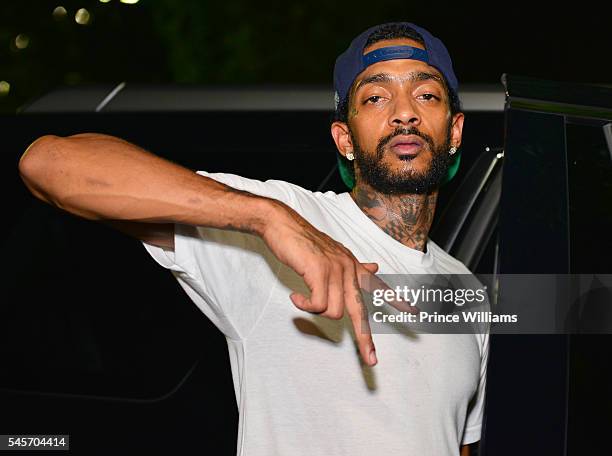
x=357 y=311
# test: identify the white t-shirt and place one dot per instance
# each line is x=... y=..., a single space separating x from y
x=300 y=386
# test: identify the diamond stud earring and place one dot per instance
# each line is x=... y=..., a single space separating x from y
x=452 y=150
x=350 y=156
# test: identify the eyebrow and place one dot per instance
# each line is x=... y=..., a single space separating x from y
x=414 y=76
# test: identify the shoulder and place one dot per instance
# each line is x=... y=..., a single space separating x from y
x=270 y=188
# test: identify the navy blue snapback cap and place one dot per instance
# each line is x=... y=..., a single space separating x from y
x=352 y=62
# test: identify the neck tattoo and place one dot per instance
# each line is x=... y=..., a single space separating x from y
x=406 y=218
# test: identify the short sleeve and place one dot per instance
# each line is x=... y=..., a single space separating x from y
x=225 y=273
x=473 y=425
x=276 y=189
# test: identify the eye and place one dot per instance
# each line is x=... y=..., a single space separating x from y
x=373 y=99
x=428 y=96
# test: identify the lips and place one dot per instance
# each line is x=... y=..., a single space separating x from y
x=406 y=145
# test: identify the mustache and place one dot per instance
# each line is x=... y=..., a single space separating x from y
x=402 y=131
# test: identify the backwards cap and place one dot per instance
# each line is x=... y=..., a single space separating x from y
x=352 y=62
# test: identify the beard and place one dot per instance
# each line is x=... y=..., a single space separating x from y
x=381 y=178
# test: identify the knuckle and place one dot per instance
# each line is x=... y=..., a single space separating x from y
x=347 y=262
x=303 y=306
x=336 y=314
x=317 y=308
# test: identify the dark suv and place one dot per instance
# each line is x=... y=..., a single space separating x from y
x=100 y=343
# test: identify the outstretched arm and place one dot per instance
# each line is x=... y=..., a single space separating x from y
x=100 y=177
x=107 y=179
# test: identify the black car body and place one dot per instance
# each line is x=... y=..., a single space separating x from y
x=102 y=344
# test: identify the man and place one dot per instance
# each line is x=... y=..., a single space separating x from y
x=245 y=250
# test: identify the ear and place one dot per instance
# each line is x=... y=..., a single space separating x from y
x=457 y=129
x=342 y=137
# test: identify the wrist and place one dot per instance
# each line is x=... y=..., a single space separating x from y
x=269 y=213
x=247 y=212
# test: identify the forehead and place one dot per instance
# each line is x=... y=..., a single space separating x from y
x=401 y=68
x=393 y=42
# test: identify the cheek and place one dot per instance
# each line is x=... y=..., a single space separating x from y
x=359 y=133
x=369 y=131
x=439 y=127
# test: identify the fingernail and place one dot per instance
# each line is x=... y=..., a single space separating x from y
x=373 y=359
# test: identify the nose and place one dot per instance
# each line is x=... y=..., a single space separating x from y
x=404 y=113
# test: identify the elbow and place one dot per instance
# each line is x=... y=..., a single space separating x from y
x=36 y=154
x=35 y=163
